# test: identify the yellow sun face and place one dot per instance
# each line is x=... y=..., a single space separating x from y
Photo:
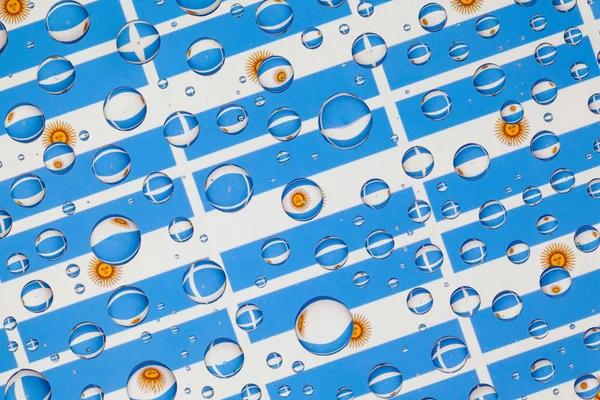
x=120 y=222
x=151 y=379
x=254 y=62
x=466 y=6
x=361 y=332
x=300 y=199
x=59 y=131
x=13 y=11
x=512 y=134
x=558 y=255
x=103 y=274
x=301 y=324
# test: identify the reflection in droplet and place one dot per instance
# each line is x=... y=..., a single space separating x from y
x=163 y=83
x=203 y=238
x=358 y=220
x=190 y=91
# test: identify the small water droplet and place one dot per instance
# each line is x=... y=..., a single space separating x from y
x=21 y=157
x=80 y=288
x=54 y=357
x=84 y=135
x=272 y=180
x=1 y=164
x=174 y=329
x=176 y=256
x=146 y=337
x=588 y=156
x=406 y=27
x=442 y=187
x=190 y=91
x=74 y=372
x=516 y=376
x=315 y=157
x=12 y=346
x=30 y=44
x=174 y=24
x=188 y=368
x=159 y=2
x=410 y=232
x=242 y=79
x=236 y=10
x=358 y=220
x=131 y=201
x=548 y=117
x=404 y=349
x=407 y=91
x=402 y=266
x=193 y=339
x=507 y=189
x=422 y=328
x=283 y=157
x=562 y=350
x=359 y=80
x=572 y=326
x=260 y=281
x=570 y=366
x=298 y=366
x=393 y=283
x=344 y=29
x=394 y=138
x=203 y=238
x=163 y=83
x=187 y=390
x=160 y=306
x=556 y=392
x=31 y=5
x=518 y=176
x=259 y=101
x=185 y=354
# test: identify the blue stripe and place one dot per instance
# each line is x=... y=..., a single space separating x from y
x=352 y=371
x=97 y=307
x=106 y=18
x=262 y=164
x=307 y=235
x=77 y=227
x=302 y=96
x=581 y=301
x=171 y=59
x=282 y=306
x=471 y=195
x=582 y=359
x=521 y=224
x=149 y=153
x=510 y=36
x=94 y=80
x=111 y=369
x=518 y=87
x=7 y=359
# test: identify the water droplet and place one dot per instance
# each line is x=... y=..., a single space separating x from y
x=393 y=283
x=0 y=164
x=74 y=371
x=21 y=157
x=410 y=232
x=406 y=27
x=236 y=10
x=79 y=288
x=359 y=80
x=446 y=284
x=298 y=366
x=407 y=91
x=54 y=357
x=188 y=368
x=556 y=392
x=163 y=83
x=203 y=238
x=308 y=389
x=260 y=281
x=572 y=326
x=131 y=201
x=185 y=354
x=259 y=101
x=84 y=135
x=562 y=350
x=570 y=366
x=12 y=346
x=518 y=176
x=242 y=79
x=238 y=92
x=174 y=24
x=159 y=2
x=190 y=91
x=176 y=256
x=193 y=339
x=160 y=306
x=187 y=390
x=516 y=376
x=402 y=266
x=394 y=138
x=507 y=189
x=146 y=337
x=344 y=29
x=588 y=156
x=442 y=187
x=30 y=44
x=422 y=328
x=272 y=180
x=283 y=157
x=31 y=5
x=404 y=349
x=314 y=157
x=358 y=220
x=548 y=117
x=174 y=329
